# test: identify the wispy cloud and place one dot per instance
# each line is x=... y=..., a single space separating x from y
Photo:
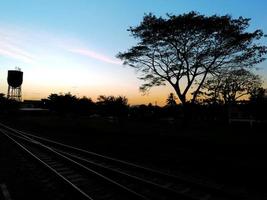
x=24 y=45
x=10 y=48
x=15 y=55
x=95 y=55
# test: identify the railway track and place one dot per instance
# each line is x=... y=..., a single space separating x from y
x=95 y=176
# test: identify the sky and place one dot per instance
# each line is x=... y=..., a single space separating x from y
x=70 y=45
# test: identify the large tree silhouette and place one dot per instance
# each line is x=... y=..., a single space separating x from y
x=183 y=50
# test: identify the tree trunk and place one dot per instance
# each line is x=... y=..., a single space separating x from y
x=182 y=98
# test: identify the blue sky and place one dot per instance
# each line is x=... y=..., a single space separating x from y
x=70 y=45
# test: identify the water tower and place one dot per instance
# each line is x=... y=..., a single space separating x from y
x=14 y=80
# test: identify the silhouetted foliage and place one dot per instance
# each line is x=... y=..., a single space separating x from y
x=229 y=86
x=114 y=106
x=140 y=111
x=257 y=95
x=85 y=106
x=106 y=105
x=147 y=112
x=68 y=103
x=183 y=50
x=116 y=109
x=171 y=100
x=62 y=103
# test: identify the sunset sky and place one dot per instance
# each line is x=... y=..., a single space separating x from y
x=70 y=45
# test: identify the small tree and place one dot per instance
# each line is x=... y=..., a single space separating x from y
x=182 y=50
x=229 y=86
x=171 y=100
x=115 y=106
x=62 y=103
x=85 y=105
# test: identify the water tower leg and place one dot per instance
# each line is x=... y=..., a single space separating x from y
x=8 y=92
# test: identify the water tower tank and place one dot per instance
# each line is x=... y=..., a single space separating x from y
x=15 y=78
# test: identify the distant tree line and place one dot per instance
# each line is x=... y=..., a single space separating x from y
x=109 y=106
x=105 y=105
x=118 y=107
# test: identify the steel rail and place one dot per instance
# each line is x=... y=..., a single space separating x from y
x=83 y=194
x=166 y=190
x=122 y=187
x=218 y=187
x=217 y=191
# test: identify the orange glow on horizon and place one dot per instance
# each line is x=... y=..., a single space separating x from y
x=157 y=96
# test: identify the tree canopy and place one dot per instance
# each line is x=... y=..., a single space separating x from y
x=115 y=106
x=183 y=50
x=229 y=86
